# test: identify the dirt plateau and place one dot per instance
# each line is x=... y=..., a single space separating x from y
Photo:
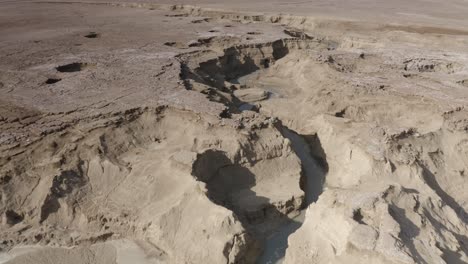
x=155 y=133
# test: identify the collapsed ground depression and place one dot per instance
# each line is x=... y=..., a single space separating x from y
x=152 y=133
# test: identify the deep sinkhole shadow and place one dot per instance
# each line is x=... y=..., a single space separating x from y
x=313 y=161
x=217 y=171
x=52 y=80
x=314 y=169
x=63 y=184
x=236 y=62
x=74 y=67
x=91 y=35
x=13 y=218
x=230 y=185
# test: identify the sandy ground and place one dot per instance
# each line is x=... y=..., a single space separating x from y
x=449 y=14
x=233 y=132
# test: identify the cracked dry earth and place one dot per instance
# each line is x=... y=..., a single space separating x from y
x=150 y=133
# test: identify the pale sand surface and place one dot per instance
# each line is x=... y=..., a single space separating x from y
x=233 y=132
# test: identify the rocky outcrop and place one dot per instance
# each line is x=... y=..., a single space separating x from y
x=171 y=178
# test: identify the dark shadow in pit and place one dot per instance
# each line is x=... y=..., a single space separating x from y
x=92 y=35
x=176 y=15
x=229 y=67
x=197 y=21
x=254 y=33
x=72 y=67
x=13 y=218
x=52 y=80
x=314 y=169
x=277 y=244
x=236 y=62
x=230 y=185
x=75 y=66
x=314 y=163
x=175 y=44
x=62 y=185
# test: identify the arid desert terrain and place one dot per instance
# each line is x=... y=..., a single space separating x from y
x=209 y=132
